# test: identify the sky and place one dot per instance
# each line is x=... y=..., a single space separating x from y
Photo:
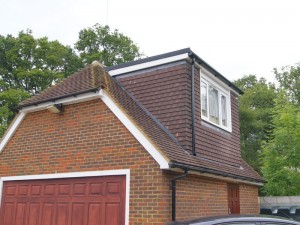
x=236 y=37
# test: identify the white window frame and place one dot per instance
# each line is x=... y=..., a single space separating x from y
x=210 y=80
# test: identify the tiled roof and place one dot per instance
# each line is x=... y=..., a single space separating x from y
x=94 y=77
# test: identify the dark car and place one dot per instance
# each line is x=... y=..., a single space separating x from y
x=238 y=220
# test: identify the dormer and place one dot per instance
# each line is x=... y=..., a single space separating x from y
x=196 y=103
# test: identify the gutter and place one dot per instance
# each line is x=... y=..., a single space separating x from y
x=59 y=97
x=213 y=172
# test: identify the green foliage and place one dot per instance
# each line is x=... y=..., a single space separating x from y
x=9 y=100
x=255 y=108
x=33 y=64
x=109 y=47
x=289 y=79
x=281 y=153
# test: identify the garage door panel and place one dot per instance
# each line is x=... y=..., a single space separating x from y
x=70 y=201
x=112 y=212
x=62 y=213
x=48 y=213
x=113 y=188
x=10 y=191
x=8 y=214
x=20 y=214
x=97 y=189
x=94 y=214
x=36 y=190
x=33 y=214
x=64 y=190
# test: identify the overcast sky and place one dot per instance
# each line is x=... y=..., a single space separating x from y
x=236 y=37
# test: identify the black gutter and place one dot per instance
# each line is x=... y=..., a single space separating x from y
x=174 y=192
x=193 y=106
x=59 y=97
x=210 y=171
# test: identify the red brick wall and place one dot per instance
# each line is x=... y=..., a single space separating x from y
x=88 y=137
x=249 y=199
x=201 y=196
x=198 y=197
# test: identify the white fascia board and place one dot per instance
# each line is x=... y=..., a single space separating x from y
x=11 y=130
x=100 y=173
x=148 y=64
x=64 y=101
x=142 y=139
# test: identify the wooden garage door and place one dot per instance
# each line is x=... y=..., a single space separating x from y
x=72 y=201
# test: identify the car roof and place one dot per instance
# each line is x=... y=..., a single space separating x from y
x=235 y=218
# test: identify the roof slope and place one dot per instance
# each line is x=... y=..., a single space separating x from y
x=94 y=77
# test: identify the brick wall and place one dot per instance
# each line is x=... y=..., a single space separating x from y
x=201 y=196
x=249 y=199
x=87 y=137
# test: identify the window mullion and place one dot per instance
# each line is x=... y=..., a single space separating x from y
x=207 y=99
x=220 y=108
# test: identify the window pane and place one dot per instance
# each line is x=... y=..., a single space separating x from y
x=204 y=99
x=224 y=110
x=213 y=105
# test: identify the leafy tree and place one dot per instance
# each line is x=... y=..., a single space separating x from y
x=33 y=64
x=289 y=79
x=281 y=154
x=255 y=108
x=29 y=65
x=9 y=100
x=109 y=47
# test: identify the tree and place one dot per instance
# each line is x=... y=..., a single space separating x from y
x=255 y=108
x=289 y=79
x=109 y=47
x=9 y=100
x=281 y=153
x=29 y=65
x=33 y=64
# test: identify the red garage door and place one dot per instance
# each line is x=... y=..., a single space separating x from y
x=71 y=201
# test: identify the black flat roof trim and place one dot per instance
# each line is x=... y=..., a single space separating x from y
x=148 y=59
x=174 y=53
x=58 y=97
x=150 y=69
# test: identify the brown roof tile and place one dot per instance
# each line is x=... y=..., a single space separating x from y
x=94 y=77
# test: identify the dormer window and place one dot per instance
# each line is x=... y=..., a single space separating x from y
x=215 y=102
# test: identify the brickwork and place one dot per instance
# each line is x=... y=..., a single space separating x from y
x=249 y=199
x=199 y=197
x=88 y=137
